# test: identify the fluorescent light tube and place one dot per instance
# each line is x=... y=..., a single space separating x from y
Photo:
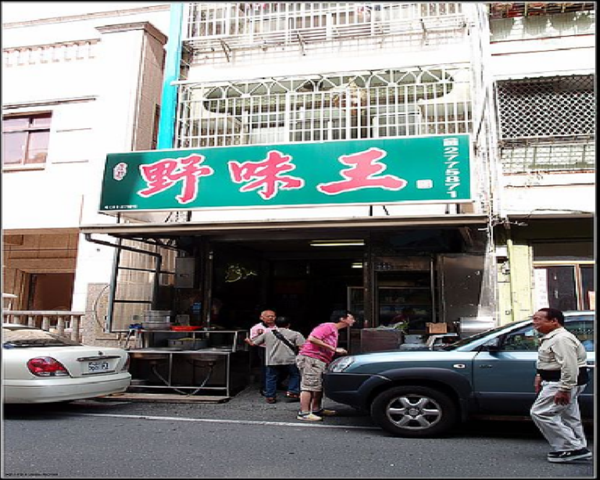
x=337 y=243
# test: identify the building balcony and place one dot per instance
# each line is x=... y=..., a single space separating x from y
x=64 y=323
x=229 y=27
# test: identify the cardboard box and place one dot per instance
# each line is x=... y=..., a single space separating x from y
x=436 y=328
x=376 y=340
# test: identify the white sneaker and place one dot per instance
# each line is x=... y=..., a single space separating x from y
x=309 y=417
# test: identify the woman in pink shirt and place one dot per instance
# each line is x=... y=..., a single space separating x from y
x=313 y=358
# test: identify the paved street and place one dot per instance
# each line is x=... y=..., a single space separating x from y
x=247 y=438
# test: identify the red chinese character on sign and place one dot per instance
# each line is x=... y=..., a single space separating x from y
x=363 y=174
x=266 y=174
x=164 y=174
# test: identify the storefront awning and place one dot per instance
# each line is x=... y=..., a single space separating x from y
x=219 y=228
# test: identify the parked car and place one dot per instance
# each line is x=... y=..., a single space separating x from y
x=425 y=393
x=42 y=367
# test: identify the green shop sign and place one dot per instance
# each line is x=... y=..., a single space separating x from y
x=381 y=171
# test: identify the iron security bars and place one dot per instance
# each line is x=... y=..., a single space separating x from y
x=548 y=123
x=251 y=24
x=547 y=107
x=344 y=106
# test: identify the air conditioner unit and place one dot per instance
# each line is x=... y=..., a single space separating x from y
x=209 y=124
x=317 y=125
x=456 y=101
x=396 y=121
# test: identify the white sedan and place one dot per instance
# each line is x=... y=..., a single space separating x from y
x=42 y=367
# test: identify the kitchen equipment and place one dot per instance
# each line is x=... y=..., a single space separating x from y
x=157 y=319
x=188 y=343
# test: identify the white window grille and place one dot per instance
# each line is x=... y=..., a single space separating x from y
x=211 y=26
x=351 y=105
x=555 y=157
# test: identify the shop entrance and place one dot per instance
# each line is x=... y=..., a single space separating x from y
x=293 y=278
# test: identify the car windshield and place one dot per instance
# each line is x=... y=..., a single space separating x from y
x=25 y=338
x=581 y=325
x=472 y=338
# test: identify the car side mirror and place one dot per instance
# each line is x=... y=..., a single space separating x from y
x=491 y=346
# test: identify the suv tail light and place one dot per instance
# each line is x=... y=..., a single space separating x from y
x=46 y=367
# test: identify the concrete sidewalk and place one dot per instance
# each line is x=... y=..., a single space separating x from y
x=250 y=394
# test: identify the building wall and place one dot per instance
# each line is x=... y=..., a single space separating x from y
x=98 y=69
x=406 y=46
x=543 y=46
x=552 y=45
x=58 y=64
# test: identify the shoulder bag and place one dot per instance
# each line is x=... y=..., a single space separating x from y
x=292 y=347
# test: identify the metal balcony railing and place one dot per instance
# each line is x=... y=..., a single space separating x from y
x=61 y=322
x=231 y=26
x=344 y=106
x=553 y=157
x=525 y=9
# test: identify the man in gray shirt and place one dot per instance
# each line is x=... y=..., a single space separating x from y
x=561 y=376
x=280 y=358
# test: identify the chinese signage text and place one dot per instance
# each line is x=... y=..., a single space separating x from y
x=382 y=171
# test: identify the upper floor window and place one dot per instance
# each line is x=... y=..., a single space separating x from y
x=547 y=107
x=25 y=139
x=548 y=124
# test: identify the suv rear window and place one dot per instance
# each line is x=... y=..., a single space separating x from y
x=24 y=338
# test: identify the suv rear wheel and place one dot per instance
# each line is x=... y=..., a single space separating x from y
x=412 y=411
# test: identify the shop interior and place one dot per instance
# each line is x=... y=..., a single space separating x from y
x=308 y=278
x=228 y=281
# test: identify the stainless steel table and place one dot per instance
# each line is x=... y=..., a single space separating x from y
x=152 y=346
x=143 y=338
x=209 y=356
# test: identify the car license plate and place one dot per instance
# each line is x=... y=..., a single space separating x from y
x=98 y=366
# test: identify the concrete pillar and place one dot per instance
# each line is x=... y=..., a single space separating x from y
x=521 y=279
x=129 y=71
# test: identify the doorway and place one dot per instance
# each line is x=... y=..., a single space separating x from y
x=309 y=290
x=50 y=291
x=289 y=276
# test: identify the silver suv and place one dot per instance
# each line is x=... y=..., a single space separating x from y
x=425 y=393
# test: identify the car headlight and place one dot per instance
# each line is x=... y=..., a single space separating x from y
x=341 y=364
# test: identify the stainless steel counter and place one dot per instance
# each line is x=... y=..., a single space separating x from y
x=144 y=338
x=207 y=359
x=180 y=366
